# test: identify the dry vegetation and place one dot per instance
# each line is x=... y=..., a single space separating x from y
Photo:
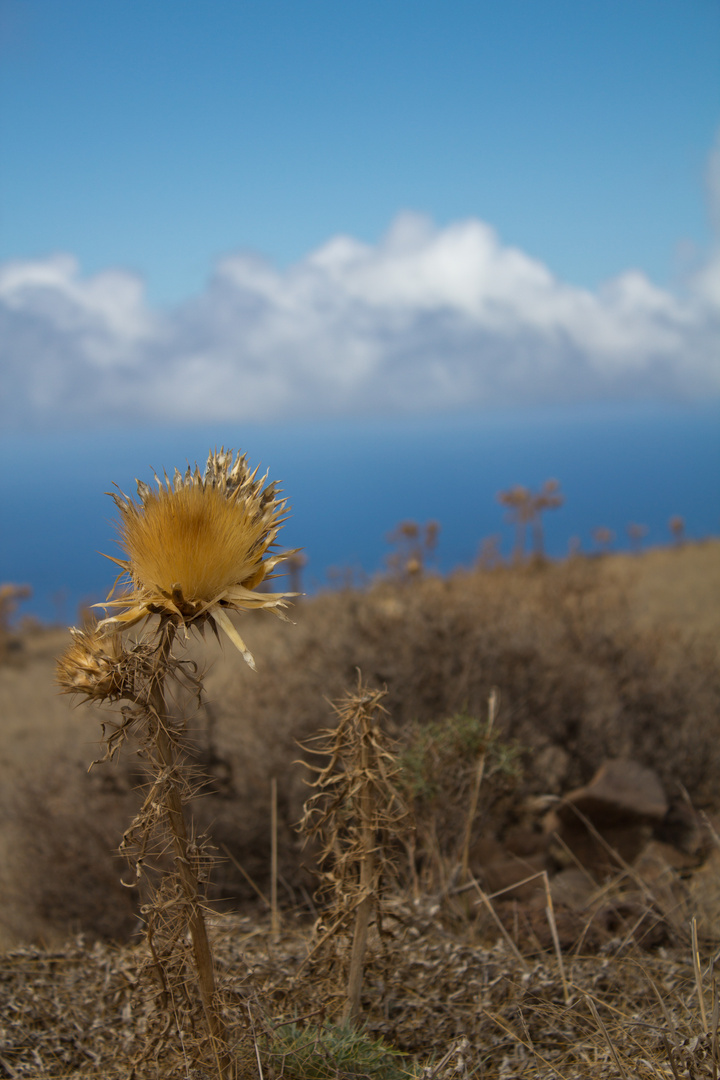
x=584 y=971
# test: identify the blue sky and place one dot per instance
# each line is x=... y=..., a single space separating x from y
x=221 y=210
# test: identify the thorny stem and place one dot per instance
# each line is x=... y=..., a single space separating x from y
x=166 y=759
x=351 y=1013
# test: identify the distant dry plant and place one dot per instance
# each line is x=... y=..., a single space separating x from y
x=10 y=595
x=414 y=547
x=603 y=537
x=636 y=535
x=676 y=525
x=196 y=549
x=489 y=556
x=525 y=508
x=358 y=814
x=296 y=563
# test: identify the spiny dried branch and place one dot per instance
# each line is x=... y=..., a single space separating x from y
x=362 y=763
x=358 y=814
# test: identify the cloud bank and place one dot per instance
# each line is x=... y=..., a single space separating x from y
x=429 y=319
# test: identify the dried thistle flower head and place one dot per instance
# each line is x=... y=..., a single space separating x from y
x=92 y=665
x=199 y=546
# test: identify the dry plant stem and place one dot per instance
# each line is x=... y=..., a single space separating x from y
x=486 y=900
x=606 y=1035
x=351 y=1012
x=202 y=952
x=238 y=866
x=274 y=914
x=550 y=915
x=472 y=811
x=698 y=972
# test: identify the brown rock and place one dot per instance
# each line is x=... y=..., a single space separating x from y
x=572 y=888
x=506 y=878
x=704 y=889
x=574 y=844
x=660 y=862
x=485 y=850
x=523 y=841
x=685 y=830
x=610 y=821
x=621 y=793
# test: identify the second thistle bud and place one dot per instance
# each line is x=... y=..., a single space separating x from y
x=96 y=665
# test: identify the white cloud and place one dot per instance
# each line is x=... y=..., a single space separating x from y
x=429 y=318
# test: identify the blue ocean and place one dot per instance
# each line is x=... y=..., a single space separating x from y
x=350 y=482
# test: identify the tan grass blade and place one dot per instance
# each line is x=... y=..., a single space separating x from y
x=274 y=915
x=714 y=1022
x=485 y=899
x=550 y=913
x=606 y=1036
x=698 y=973
x=472 y=809
x=247 y=877
x=663 y=1006
x=9 y=1069
x=255 y=1044
x=671 y=1060
x=513 y=1035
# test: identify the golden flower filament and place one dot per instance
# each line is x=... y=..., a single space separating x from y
x=198 y=546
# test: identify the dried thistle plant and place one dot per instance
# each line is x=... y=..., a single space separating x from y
x=414 y=548
x=10 y=595
x=636 y=535
x=195 y=549
x=676 y=525
x=357 y=812
x=525 y=508
x=604 y=538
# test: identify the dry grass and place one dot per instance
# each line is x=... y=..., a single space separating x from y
x=441 y=998
x=592 y=658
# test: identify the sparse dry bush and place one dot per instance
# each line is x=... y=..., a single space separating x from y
x=63 y=872
x=10 y=596
x=580 y=677
x=579 y=680
x=450 y=768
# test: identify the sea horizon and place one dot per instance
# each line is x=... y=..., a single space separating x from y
x=349 y=483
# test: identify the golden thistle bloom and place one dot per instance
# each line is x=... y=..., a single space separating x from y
x=199 y=546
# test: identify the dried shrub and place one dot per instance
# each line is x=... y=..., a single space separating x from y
x=445 y=765
x=580 y=679
x=358 y=813
x=10 y=596
x=63 y=874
